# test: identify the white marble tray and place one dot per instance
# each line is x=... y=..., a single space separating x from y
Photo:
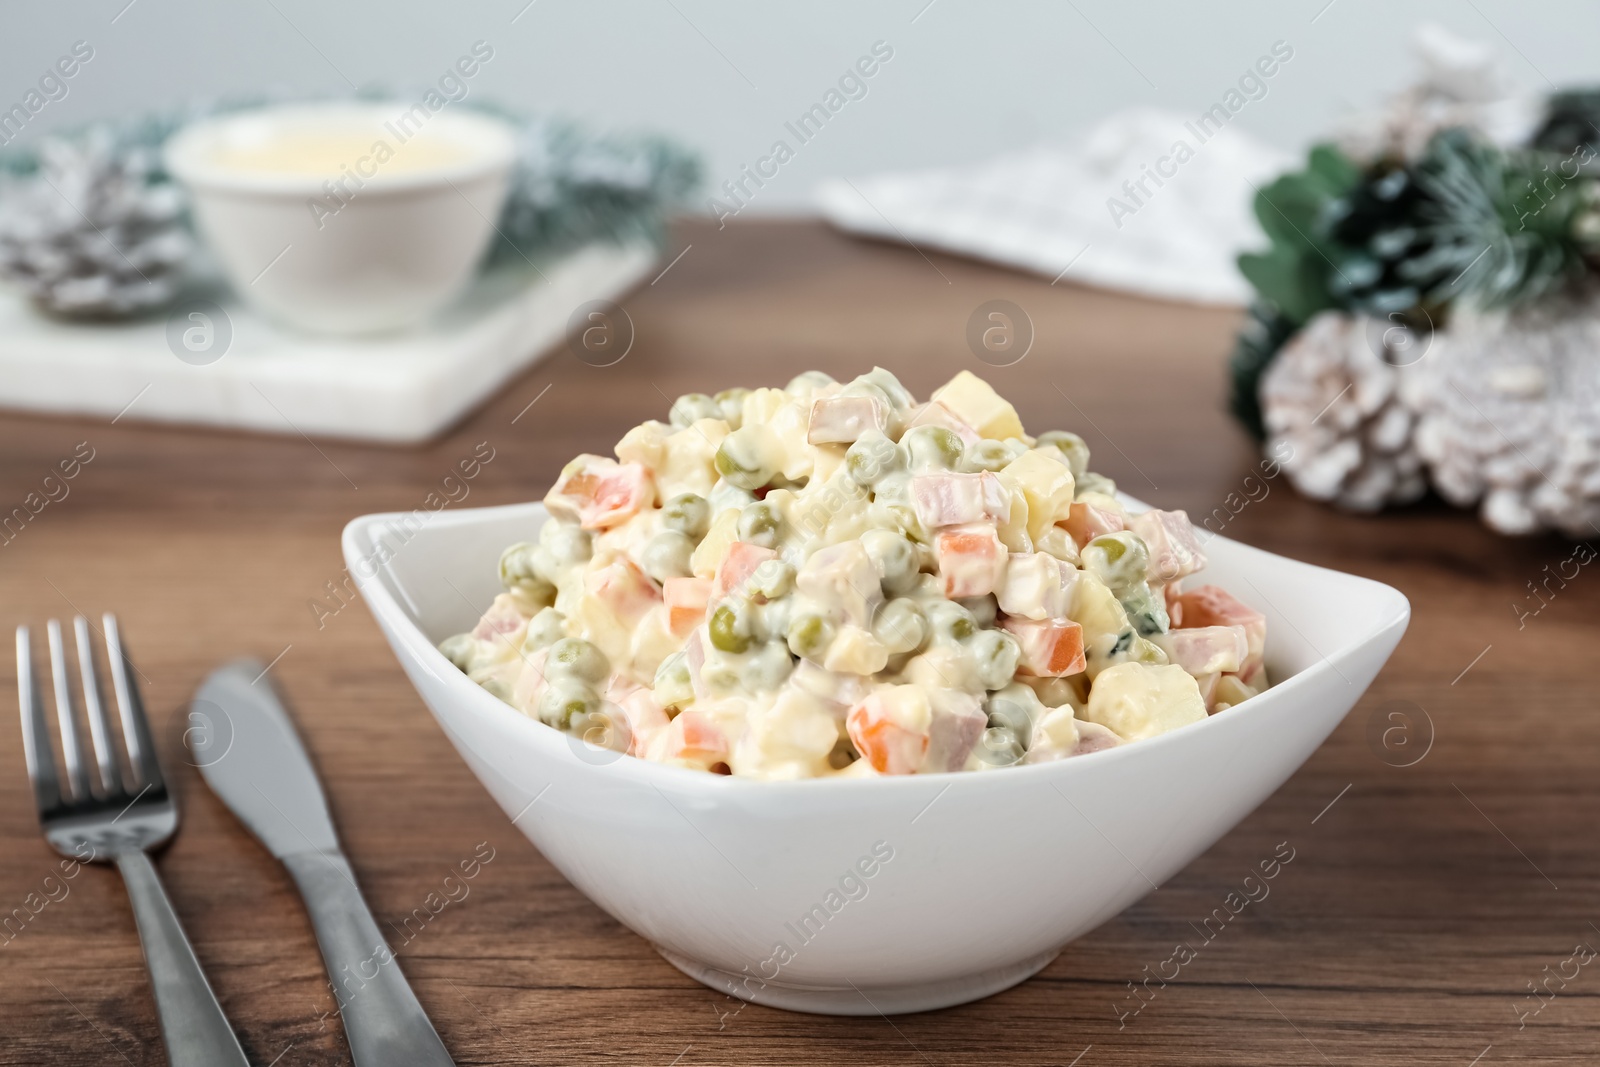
x=397 y=390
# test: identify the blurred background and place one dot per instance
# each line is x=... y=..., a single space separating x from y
x=966 y=81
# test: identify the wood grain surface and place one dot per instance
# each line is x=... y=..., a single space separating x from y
x=1423 y=905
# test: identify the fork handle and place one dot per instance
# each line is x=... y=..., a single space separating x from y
x=193 y=1027
x=383 y=1020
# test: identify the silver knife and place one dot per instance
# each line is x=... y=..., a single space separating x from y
x=248 y=752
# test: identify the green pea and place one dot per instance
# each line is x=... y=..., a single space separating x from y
x=900 y=626
x=772 y=579
x=1146 y=610
x=458 y=649
x=807 y=382
x=809 y=636
x=544 y=630
x=894 y=558
x=995 y=654
x=528 y=568
x=932 y=448
x=759 y=524
x=951 y=620
x=690 y=408
x=565 y=698
x=577 y=658
x=985 y=455
x=732 y=403
x=673 y=686
x=740 y=460
x=1118 y=559
x=666 y=555
x=1009 y=732
x=767 y=667
x=1090 y=482
x=729 y=631
x=688 y=514
x=872 y=458
x=567 y=542
x=725 y=495
x=1072 y=448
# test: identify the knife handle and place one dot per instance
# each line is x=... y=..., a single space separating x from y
x=384 y=1023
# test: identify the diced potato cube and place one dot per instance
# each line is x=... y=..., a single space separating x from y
x=1230 y=690
x=953 y=499
x=855 y=651
x=843 y=575
x=975 y=402
x=1046 y=484
x=971 y=558
x=713 y=546
x=839 y=420
x=1174 y=550
x=1037 y=586
x=1136 y=701
x=1050 y=649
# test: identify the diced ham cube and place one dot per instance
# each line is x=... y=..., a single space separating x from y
x=890 y=729
x=1050 y=649
x=934 y=413
x=643 y=718
x=738 y=565
x=694 y=657
x=1086 y=521
x=1174 y=550
x=599 y=493
x=1211 y=605
x=686 y=600
x=694 y=738
x=953 y=499
x=843 y=576
x=1202 y=650
x=839 y=420
x=1037 y=586
x=1092 y=737
x=621 y=586
x=953 y=730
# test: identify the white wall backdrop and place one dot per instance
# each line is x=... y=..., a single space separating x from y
x=966 y=79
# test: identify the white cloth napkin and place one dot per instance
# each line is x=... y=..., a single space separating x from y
x=1065 y=213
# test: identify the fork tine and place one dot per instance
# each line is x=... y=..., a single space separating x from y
x=135 y=725
x=35 y=730
x=99 y=730
x=71 y=751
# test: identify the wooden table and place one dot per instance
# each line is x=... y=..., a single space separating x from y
x=1420 y=908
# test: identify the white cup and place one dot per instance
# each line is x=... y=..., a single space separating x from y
x=346 y=218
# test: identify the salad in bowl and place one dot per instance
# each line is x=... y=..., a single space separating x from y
x=836 y=580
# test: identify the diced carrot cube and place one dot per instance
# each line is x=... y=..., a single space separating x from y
x=1052 y=648
x=971 y=559
x=888 y=746
x=695 y=738
x=686 y=600
x=600 y=493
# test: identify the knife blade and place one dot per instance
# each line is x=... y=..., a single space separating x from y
x=247 y=750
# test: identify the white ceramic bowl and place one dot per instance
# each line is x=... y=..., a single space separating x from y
x=977 y=880
x=394 y=245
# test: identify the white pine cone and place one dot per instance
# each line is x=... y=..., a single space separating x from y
x=1509 y=410
x=1335 y=416
x=89 y=235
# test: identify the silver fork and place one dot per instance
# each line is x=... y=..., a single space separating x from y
x=110 y=816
